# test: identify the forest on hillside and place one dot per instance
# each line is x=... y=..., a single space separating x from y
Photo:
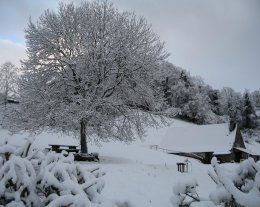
x=182 y=96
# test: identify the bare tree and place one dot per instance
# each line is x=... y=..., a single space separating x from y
x=91 y=69
x=8 y=81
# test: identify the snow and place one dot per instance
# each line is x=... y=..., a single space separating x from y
x=41 y=141
x=202 y=138
x=19 y=171
x=182 y=189
x=136 y=174
x=50 y=180
x=203 y=204
x=146 y=177
x=253 y=148
x=243 y=183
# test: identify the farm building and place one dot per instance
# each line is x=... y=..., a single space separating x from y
x=252 y=150
x=205 y=141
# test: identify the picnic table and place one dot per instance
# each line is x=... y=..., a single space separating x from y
x=75 y=150
x=62 y=147
x=182 y=166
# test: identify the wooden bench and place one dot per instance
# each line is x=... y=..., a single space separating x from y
x=61 y=147
x=86 y=157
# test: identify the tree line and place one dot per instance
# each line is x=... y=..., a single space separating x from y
x=200 y=103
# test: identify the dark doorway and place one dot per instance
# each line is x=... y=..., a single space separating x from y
x=238 y=156
x=208 y=157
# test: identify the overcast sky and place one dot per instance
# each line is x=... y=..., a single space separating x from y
x=218 y=40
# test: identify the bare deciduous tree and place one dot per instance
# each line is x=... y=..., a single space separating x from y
x=8 y=81
x=91 y=69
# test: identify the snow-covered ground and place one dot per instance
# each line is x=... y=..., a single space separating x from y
x=136 y=173
x=146 y=177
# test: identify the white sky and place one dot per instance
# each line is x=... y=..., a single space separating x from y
x=218 y=40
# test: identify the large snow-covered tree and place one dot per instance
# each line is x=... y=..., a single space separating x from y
x=90 y=68
x=8 y=81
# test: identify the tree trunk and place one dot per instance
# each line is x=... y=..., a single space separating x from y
x=83 y=138
x=6 y=94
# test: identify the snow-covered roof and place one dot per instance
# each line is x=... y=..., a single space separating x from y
x=214 y=138
x=252 y=148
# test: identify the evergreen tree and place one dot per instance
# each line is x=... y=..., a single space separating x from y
x=256 y=98
x=248 y=112
x=214 y=96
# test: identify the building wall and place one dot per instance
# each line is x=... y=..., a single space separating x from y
x=192 y=155
x=226 y=158
x=206 y=157
x=255 y=157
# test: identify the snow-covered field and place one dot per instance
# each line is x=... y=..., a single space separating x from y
x=145 y=177
x=136 y=174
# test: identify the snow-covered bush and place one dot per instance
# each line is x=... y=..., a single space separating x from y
x=238 y=188
x=17 y=182
x=184 y=193
x=32 y=178
x=65 y=183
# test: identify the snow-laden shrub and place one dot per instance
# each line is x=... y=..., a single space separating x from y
x=238 y=188
x=184 y=193
x=17 y=182
x=37 y=179
x=65 y=183
x=17 y=177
